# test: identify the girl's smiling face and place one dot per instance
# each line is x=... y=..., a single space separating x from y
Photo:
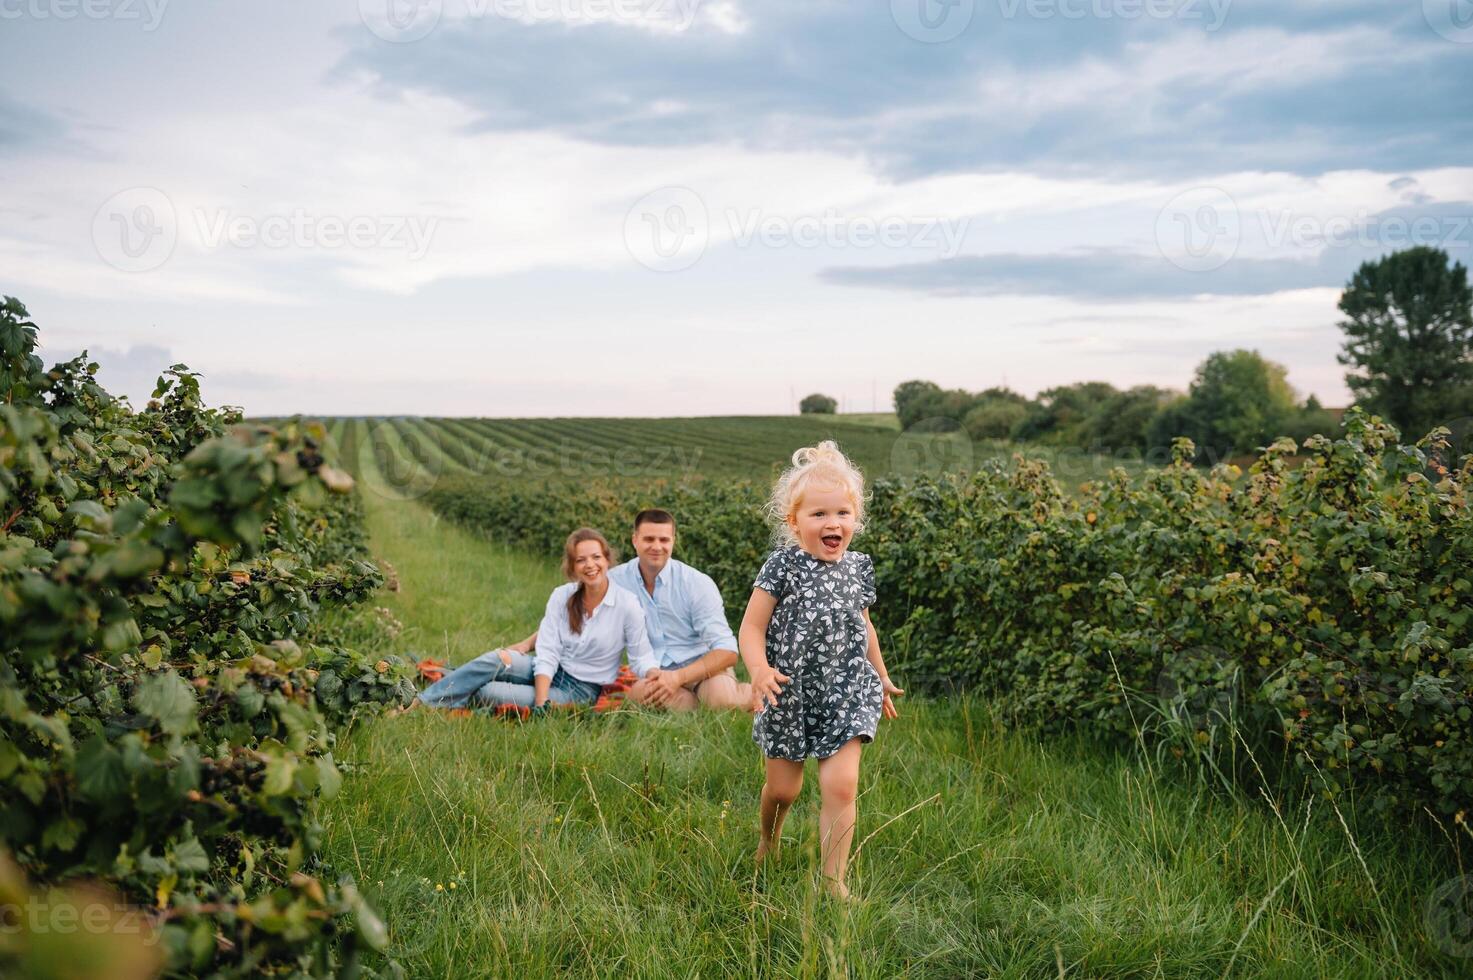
x=824 y=522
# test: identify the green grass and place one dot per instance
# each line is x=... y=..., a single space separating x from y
x=621 y=843
x=884 y=420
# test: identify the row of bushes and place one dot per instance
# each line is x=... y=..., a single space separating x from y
x=168 y=693
x=1323 y=609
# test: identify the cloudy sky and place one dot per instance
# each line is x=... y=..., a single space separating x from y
x=669 y=207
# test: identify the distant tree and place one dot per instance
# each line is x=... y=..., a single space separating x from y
x=994 y=418
x=912 y=399
x=1409 y=338
x=1238 y=401
x=941 y=410
x=1058 y=412
x=1122 y=422
x=816 y=404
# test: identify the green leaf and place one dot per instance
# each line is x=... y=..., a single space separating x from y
x=190 y=856
x=169 y=700
x=100 y=775
x=279 y=772
x=329 y=780
x=62 y=833
x=250 y=699
x=134 y=560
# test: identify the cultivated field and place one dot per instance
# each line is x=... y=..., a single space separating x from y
x=409 y=453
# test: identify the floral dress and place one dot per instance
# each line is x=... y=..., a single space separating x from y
x=818 y=638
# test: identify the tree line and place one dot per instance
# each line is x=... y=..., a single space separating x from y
x=1408 y=345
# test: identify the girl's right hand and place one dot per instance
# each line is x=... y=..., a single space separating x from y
x=766 y=686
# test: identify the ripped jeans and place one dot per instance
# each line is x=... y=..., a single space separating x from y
x=486 y=680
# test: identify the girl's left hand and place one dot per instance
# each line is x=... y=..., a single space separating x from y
x=888 y=709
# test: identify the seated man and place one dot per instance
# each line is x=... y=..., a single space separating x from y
x=686 y=622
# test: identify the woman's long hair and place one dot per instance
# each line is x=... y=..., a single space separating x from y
x=570 y=550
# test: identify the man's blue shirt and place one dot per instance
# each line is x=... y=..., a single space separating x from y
x=685 y=617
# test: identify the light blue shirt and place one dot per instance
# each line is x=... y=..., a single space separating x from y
x=685 y=618
x=615 y=625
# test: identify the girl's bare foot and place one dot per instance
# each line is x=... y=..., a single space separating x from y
x=837 y=889
x=763 y=850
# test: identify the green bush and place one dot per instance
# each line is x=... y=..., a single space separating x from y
x=167 y=699
x=1323 y=611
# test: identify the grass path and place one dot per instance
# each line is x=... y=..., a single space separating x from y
x=590 y=846
x=459 y=595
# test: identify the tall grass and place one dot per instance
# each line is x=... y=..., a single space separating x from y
x=621 y=843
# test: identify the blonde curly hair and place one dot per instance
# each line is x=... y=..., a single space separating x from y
x=823 y=465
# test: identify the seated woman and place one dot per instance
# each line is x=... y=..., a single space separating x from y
x=588 y=625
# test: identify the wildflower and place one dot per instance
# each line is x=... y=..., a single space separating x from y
x=1458 y=817
x=453 y=885
x=439 y=887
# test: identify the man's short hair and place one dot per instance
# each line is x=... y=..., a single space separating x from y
x=653 y=515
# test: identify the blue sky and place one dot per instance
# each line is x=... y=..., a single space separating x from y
x=658 y=207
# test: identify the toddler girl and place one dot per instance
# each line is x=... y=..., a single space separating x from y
x=819 y=684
